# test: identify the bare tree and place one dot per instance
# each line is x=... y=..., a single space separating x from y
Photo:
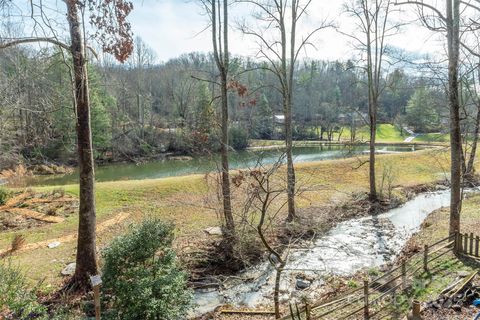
x=116 y=39
x=374 y=27
x=218 y=13
x=281 y=18
x=470 y=157
x=470 y=99
x=263 y=203
x=447 y=20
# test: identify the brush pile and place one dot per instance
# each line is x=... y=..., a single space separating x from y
x=458 y=295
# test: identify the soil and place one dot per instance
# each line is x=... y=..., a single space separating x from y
x=201 y=255
x=26 y=210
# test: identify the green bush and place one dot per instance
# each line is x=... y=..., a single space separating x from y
x=4 y=195
x=142 y=279
x=238 y=138
x=17 y=300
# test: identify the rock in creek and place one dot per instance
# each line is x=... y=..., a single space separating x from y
x=302 y=284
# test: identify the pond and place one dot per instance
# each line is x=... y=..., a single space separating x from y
x=203 y=164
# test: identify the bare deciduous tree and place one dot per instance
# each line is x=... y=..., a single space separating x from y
x=264 y=203
x=218 y=13
x=448 y=21
x=374 y=27
x=280 y=19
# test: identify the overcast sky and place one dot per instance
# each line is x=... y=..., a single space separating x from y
x=174 y=27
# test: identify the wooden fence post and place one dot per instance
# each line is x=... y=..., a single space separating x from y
x=471 y=244
x=460 y=243
x=308 y=311
x=415 y=315
x=477 y=241
x=465 y=243
x=457 y=243
x=366 y=313
x=425 y=258
x=404 y=276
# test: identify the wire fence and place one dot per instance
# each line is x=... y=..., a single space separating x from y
x=381 y=297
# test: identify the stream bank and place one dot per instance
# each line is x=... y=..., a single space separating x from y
x=351 y=246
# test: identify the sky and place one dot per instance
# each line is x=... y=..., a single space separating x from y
x=174 y=27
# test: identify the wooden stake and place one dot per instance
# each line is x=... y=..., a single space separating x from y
x=366 y=313
x=96 y=293
x=416 y=309
x=460 y=243
x=308 y=311
x=96 y=282
x=477 y=241
x=471 y=244
x=404 y=276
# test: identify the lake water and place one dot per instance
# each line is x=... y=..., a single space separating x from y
x=203 y=164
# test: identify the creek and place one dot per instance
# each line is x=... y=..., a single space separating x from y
x=351 y=246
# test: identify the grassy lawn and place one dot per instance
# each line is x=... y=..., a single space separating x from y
x=190 y=203
x=386 y=133
x=433 y=137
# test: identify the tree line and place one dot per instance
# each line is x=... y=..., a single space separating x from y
x=198 y=103
x=143 y=108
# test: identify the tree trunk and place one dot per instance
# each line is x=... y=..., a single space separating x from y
x=373 y=131
x=290 y=167
x=289 y=80
x=222 y=61
x=276 y=292
x=453 y=16
x=470 y=170
x=86 y=263
x=227 y=206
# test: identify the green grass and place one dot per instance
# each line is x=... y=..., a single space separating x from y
x=433 y=137
x=386 y=133
x=191 y=203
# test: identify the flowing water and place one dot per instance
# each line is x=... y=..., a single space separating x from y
x=203 y=164
x=349 y=247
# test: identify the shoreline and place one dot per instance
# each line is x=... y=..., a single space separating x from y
x=15 y=180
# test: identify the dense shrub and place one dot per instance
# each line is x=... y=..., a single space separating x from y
x=17 y=299
x=4 y=195
x=142 y=278
x=238 y=138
